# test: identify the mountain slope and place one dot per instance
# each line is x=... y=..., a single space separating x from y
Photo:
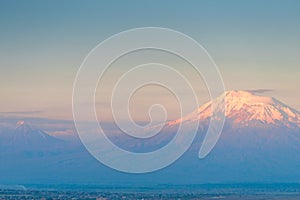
x=260 y=143
x=24 y=136
x=245 y=109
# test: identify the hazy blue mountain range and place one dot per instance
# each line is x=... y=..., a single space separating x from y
x=260 y=143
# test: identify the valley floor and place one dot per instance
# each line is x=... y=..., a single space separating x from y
x=205 y=192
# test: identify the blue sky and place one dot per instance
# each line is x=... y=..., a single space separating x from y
x=255 y=44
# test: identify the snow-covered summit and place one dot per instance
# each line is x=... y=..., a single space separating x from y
x=243 y=108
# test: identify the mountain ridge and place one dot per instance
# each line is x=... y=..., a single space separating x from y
x=245 y=109
x=25 y=136
x=240 y=155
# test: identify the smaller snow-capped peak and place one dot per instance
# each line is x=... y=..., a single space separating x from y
x=20 y=123
x=244 y=108
x=24 y=126
x=26 y=135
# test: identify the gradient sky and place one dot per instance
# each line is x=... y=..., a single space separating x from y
x=256 y=45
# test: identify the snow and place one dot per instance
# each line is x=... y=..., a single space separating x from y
x=244 y=107
x=19 y=123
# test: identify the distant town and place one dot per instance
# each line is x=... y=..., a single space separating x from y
x=14 y=194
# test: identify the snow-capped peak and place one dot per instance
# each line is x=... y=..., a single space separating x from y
x=23 y=125
x=20 y=123
x=244 y=108
x=26 y=134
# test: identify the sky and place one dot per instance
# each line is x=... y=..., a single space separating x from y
x=255 y=44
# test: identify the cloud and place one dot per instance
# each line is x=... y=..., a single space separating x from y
x=261 y=91
x=22 y=112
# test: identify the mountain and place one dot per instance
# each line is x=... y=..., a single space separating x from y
x=28 y=135
x=245 y=109
x=24 y=136
x=260 y=142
